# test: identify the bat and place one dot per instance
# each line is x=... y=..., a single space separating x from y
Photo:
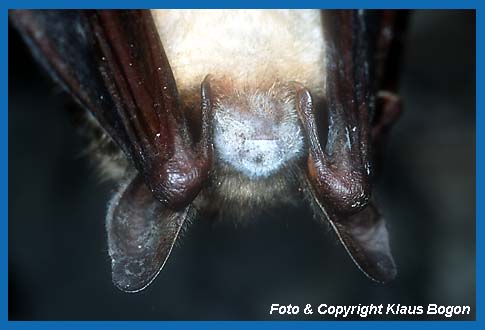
x=226 y=112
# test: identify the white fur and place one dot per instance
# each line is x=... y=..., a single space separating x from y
x=262 y=138
x=251 y=47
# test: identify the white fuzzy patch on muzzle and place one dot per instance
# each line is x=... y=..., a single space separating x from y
x=261 y=138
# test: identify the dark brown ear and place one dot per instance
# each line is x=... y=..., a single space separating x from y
x=112 y=62
x=141 y=234
x=340 y=173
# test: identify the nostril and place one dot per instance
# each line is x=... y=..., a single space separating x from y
x=258 y=159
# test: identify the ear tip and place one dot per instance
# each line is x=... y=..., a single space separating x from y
x=385 y=270
x=127 y=281
x=388 y=276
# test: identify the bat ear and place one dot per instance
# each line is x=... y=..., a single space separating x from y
x=141 y=234
x=366 y=239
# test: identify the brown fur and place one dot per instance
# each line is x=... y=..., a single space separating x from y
x=251 y=47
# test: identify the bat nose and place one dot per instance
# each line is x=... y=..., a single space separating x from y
x=262 y=156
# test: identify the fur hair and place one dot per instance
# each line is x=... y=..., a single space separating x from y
x=250 y=47
x=253 y=55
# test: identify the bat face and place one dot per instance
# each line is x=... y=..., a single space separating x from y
x=257 y=135
x=256 y=131
x=227 y=109
x=258 y=144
